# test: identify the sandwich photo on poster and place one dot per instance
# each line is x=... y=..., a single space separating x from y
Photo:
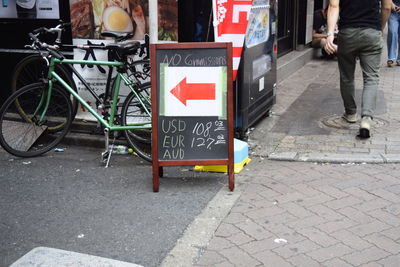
x=91 y=17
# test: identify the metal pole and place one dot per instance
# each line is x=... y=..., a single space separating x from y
x=153 y=21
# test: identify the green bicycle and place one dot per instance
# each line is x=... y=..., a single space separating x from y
x=36 y=118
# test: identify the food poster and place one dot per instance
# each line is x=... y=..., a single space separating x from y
x=89 y=18
x=30 y=9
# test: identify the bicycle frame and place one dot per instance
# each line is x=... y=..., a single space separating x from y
x=121 y=77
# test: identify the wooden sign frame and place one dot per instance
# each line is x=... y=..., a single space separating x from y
x=159 y=164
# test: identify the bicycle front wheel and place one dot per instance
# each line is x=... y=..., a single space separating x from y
x=33 y=69
x=135 y=111
x=34 y=133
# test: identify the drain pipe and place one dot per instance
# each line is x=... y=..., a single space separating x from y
x=153 y=21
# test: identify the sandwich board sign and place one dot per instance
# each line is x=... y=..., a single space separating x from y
x=192 y=106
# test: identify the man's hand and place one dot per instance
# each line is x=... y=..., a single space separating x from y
x=330 y=47
x=332 y=19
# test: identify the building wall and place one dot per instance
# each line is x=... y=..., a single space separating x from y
x=309 y=20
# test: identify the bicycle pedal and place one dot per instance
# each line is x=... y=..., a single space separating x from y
x=104 y=156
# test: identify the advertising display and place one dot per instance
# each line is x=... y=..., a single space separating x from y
x=256 y=80
x=230 y=23
x=29 y=9
x=89 y=18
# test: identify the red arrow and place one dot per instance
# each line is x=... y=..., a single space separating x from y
x=193 y=91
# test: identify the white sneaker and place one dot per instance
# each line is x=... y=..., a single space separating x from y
x=365 y=127
x=350 y=118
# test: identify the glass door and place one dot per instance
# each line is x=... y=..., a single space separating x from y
x=285 y=26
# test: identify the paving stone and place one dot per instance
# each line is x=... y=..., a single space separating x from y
x=303 y=260
x=343 y=202
x=235 y=217
x=391 y=261
x=318 y=237
x=356 y=215
x=371 y=264
x=226 y=230
x=351 y=240
x=369 y=228
x=393 y=209
x=315 y=200
x=365 y=256
x=260 y=245
x=385 y=216
x=336 y=225
x=268 y=221
x=307 y=222
x=282 y=231
x=331 y=252
x=385 y=194
x=336 y=263
x=290 y=197
x=270 y=259
x=264 y=203
x=240 y=238
x=219 y=243
x=210 y=258
x=384 y=242
x=239 y=257
x=243 y=207
x=253 y=230
x=332 y=191
x=268 y=193
x=263 y=212
x=372 y=205
x=297 y=210
x=393 y=233
x=291 y=250
x=325 y=212
x=305 y=189
x=359 y=193
x=224 y=264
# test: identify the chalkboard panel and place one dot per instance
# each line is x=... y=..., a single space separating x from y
x=192 y=106
x=192 y=138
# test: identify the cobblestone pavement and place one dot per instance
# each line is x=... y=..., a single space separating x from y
x=319 y=196
x=311 y=214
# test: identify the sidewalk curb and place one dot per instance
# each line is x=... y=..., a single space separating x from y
x=335 y=158
x=198 y=234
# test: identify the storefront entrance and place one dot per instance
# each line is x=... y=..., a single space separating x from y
x=285 y=26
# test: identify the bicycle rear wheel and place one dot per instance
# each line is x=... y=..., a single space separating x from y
x=28 y=135
x=133 y=111
x=33 y=69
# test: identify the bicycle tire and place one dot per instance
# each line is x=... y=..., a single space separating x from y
x=133 y=112
x=29 y=138
x=33 y=68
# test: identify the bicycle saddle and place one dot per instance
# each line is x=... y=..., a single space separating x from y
x=119 y=51
x=118 y=36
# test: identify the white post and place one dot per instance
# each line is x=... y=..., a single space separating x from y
x=153 y=21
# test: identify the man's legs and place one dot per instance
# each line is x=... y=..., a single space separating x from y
x=398 y=38
x=392 y=38
x=370 y=58
x=370 y=55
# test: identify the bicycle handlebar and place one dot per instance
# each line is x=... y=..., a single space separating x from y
x=58 y=30
x=52 y=49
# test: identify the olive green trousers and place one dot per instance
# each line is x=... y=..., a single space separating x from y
x=365 y=45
